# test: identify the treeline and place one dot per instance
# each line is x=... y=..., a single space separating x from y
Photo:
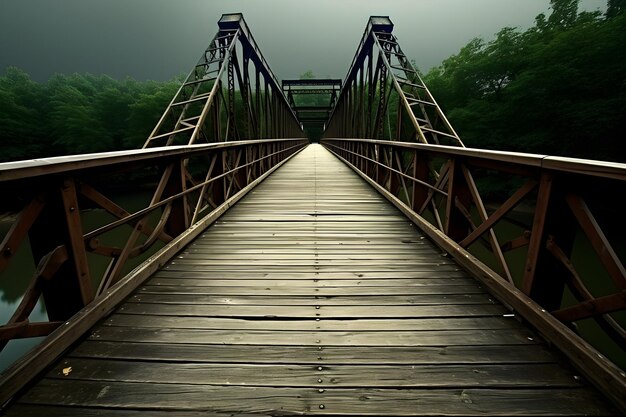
x=557 y=88
x=71 y=114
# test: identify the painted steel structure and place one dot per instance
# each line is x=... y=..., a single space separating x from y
x=230 y=94
x=324 y=92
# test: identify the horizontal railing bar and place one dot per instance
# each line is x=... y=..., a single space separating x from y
x=165 y=201
x=425 y=184
x=613 y=170
x=60 y=164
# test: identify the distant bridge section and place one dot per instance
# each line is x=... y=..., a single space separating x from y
x=313 y=101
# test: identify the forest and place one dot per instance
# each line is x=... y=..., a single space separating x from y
x=557 y=88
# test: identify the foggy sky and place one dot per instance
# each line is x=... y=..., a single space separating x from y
x=161 y=39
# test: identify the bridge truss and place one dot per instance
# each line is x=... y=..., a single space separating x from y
x=230 y=125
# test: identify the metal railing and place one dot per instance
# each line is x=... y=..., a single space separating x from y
x=185 y=184
x=554 y=216
x=82 y=272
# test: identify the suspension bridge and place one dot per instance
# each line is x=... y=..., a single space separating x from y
x=364 y=273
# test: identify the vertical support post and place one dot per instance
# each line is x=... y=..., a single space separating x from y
x=378 y=169
x=215 y=111
x=178 y=221
x=419 y=193
x=241 y=173
x=456 y=224
x=218 y=189
x=544 y=276
x=394 y=182
x=60 y=224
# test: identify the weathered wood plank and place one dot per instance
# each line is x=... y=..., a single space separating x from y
x=337 y=290
x=386 y=278
x=274 y=401
x=298 y=338
x=331 y=355
x=294 y=312
x=342 y=376
x=372 y=301
x=29 y=410
x=388 y=325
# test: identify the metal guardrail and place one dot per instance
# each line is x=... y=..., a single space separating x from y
x=191 y=186
x=51 y=197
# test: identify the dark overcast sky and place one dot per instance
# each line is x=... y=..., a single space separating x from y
x=160 y=39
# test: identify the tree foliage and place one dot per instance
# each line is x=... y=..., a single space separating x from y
x=557 y=88
x=76 y=113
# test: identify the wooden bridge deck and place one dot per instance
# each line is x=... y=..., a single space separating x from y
x=312 y=295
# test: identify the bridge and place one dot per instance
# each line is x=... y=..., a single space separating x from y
x=372 y=273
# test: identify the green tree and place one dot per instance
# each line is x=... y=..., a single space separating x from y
x=564 y=12
x=22 y=119
x=615 y=7
x=556 y=89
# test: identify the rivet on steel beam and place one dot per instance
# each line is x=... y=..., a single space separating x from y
x=319 y=368
x=319 y=381
x=322 y=406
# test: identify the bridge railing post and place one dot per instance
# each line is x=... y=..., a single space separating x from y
x=59 y=224
x=554 y=228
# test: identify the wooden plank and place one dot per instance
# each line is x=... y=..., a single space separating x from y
x=319 y=338
x=341 y=376
x=150 y=397
x=431 y=277
x=29 y=410
x=295 y=312
x=271 y=267
x=338 y=290
x=383 y=325
x=372 y=300
x=330 y=355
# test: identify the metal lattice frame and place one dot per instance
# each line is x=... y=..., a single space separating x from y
x=222 y=99
x=379 y=75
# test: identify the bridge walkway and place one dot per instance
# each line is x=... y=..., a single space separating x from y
x=313 y=295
